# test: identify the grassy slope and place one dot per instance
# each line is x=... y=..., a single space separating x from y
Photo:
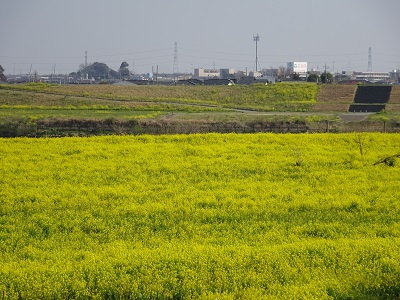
x=197 y=103
x=290 y=97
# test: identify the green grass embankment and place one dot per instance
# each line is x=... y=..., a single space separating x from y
x=279 y=97
x=36 y=109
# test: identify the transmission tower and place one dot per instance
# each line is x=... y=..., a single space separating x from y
x=256 y=39
x=369 y=60
x=175 y=68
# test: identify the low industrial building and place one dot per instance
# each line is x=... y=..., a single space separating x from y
x=213 y=73
x=206 y=73
x=372 y=77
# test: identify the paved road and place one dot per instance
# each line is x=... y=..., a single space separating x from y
x=354 y=117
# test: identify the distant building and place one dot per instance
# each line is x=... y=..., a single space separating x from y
x=214 y=73
x=227 y=73
x=207 y=73
x=265 y=80
x=344 y=76
x=299 y=68
x=191 y=81
x=270 y=72
x=255 y=74
x=248 y=80
x=395 y=76
x=372 y=77
x=217 y=81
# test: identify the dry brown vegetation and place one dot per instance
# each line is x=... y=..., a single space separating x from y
x=334 y=98
x=395 y=95
x=394 y=102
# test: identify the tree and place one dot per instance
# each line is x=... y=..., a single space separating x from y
x=123 y=70
x=96 y=70
x=328 y=79
x=113 y=74
x=281 y=72
x=313 y=78
x=295 y=76
x=35 y=76
x=124 y=64
x=2 y=76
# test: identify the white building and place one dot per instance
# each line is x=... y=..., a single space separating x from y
x=207 y=73
x=213 y=73
x=299 y=68
x=372 y=76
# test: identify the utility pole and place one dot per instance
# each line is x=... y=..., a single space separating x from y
x=86 y=73
x=256 y=39
x=326 y=74
x=175 y=67
x=29 y=75
x=369 y=60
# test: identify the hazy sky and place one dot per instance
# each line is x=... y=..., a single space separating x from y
x=54 y=34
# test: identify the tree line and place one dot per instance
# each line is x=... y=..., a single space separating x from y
x=2 y=76
x=99 y=71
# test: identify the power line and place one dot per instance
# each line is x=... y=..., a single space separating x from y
x=78 y=57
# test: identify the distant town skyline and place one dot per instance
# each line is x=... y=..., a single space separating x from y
x=51 y=36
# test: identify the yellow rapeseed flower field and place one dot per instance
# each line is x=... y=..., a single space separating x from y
x=205 y=216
